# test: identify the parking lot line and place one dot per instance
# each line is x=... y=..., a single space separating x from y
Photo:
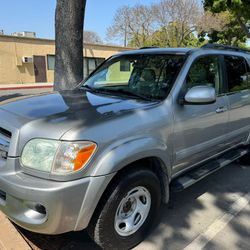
x=2 y=246
x=218 y=225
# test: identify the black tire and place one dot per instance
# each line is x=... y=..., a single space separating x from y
x=102 y=229
x=245 y=160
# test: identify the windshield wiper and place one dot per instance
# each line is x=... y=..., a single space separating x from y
x=90 y=88
x=117 y=91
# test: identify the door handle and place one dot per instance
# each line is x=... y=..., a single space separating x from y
x=221 y=110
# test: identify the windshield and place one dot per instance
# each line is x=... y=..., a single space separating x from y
x=139 y=76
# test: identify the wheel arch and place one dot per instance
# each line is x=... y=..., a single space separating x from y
x=154 y=164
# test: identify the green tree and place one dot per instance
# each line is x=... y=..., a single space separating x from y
x=170 y=37
x=237 y=31
x=167 y=23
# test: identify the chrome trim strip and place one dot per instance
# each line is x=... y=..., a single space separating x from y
x=248 y=139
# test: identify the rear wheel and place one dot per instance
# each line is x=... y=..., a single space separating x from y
x=130 y=208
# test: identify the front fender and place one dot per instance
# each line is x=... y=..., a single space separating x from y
x=130 y=151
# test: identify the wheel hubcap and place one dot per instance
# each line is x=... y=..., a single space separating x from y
x=132 y=211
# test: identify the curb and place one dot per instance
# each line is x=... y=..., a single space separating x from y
x=26 y=87
x=10 y=237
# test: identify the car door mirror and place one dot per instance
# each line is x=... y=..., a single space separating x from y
x=200 y=95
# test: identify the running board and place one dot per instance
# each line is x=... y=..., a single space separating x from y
x=186 y=180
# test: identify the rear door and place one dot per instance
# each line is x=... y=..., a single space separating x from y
x=237 y=70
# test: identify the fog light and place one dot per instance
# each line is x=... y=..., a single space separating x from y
x=40 y=209
x=35 y=211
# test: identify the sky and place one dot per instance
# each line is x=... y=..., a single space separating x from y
x=38 y=15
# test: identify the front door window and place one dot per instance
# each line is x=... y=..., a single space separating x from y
x=205 y=71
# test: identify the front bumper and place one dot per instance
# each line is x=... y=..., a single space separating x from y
x=46 y=206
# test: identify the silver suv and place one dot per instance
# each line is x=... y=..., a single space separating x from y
x=105 y=155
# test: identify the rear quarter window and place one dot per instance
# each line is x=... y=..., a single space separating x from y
x=248 y=72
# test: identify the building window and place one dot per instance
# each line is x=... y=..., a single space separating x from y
x=51 y=62
x=90 y=64
x=125 y=66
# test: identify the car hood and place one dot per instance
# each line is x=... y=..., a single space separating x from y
x=53 y=114
x=78 y=103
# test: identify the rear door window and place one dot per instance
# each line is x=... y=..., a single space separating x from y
x=237 y=73
x=248 y=73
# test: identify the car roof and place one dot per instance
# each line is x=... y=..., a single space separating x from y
x=185 y=51
x=177 y=51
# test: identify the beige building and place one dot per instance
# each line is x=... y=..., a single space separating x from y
x=32 y=60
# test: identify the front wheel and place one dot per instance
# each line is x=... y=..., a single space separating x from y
x=130 y=208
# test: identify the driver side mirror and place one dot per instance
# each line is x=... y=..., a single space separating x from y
x=200 y=95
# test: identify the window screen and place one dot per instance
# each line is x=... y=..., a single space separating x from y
x=51 y=62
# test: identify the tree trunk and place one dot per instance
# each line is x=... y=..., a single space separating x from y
x=69 y=20
x=243 y=26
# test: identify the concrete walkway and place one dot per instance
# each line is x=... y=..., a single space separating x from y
x=10 y=238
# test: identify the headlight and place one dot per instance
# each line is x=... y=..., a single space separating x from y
x=39 y=154
x=72 y=157
x=57 y=157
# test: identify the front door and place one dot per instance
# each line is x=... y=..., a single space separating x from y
x=200 y=131
x=40 y=69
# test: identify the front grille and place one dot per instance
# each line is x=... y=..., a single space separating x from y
x=5 y=137
x=2 y=195
x=5 y=133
